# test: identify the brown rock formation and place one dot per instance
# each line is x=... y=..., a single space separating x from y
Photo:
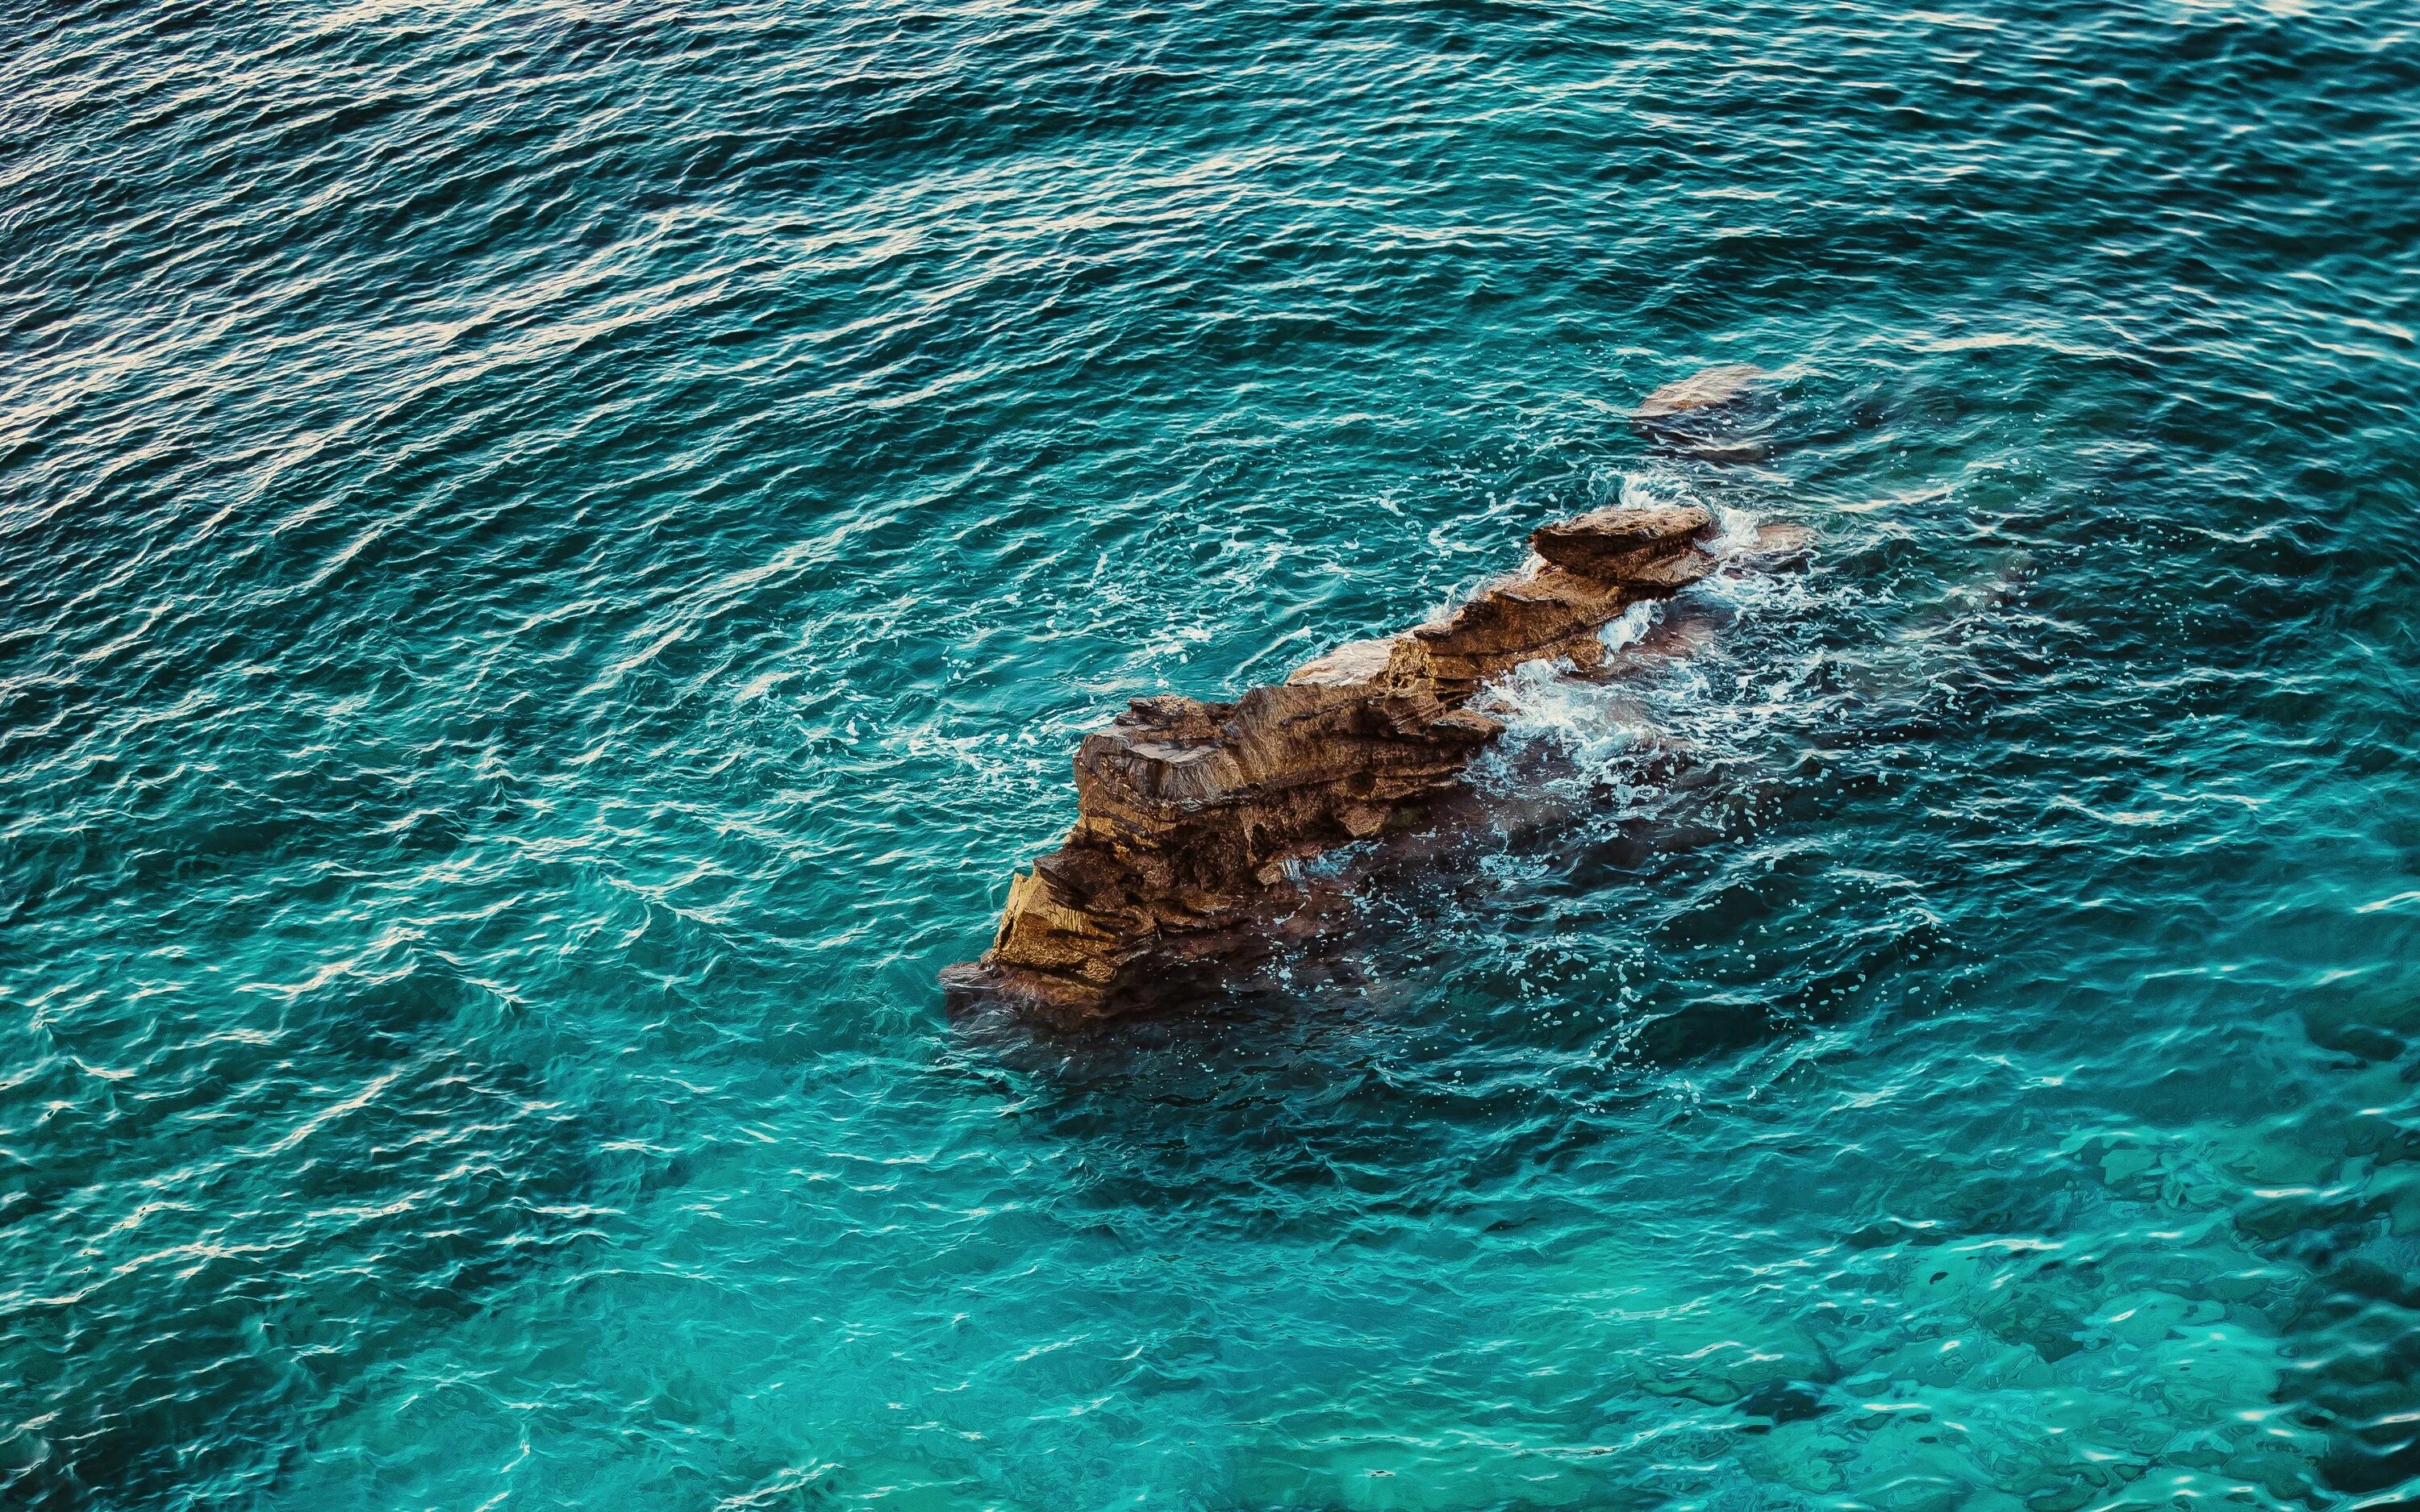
x=1192 y=815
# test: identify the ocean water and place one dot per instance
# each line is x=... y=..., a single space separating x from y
x=553 y=556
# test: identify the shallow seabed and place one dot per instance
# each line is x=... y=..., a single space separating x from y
x=552 y=555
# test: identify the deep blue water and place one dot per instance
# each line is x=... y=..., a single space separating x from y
x=552 y=557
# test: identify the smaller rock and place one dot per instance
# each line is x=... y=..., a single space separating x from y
x=1711 y=415
x=1619 y=543
x=1773 y=546
x=1699 y=391
x=1778 y=538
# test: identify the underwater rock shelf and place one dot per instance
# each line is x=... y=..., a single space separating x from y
x=1191 y=813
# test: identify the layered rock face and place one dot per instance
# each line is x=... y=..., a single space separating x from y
x=1192 y=815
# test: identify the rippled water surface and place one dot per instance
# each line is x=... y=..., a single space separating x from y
x=552 y=555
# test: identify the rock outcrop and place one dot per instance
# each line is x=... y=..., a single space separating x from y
x=1193 y=816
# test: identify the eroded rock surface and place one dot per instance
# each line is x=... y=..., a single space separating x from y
x=1193 y=814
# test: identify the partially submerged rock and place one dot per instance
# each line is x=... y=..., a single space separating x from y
x=1711 y=415
x=1193 y=816
x=1707 y=389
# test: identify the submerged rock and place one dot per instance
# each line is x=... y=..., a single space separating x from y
x=1193 y=816
x=1712 y=414
x=1707 y=389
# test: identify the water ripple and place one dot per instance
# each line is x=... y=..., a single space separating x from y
x=553 y=556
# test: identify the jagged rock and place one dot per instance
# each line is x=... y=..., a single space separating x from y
x=1194 y=816
x=1617 y=542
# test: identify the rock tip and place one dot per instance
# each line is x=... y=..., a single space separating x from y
x=1621 y=543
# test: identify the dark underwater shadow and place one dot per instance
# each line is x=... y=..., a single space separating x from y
x=315 y=1259
x=1529 y=981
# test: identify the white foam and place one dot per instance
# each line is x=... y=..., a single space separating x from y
x=1624 y=629
x=1598 y=726
x=1739 y=531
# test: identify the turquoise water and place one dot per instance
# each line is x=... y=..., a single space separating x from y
x=552 y=557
